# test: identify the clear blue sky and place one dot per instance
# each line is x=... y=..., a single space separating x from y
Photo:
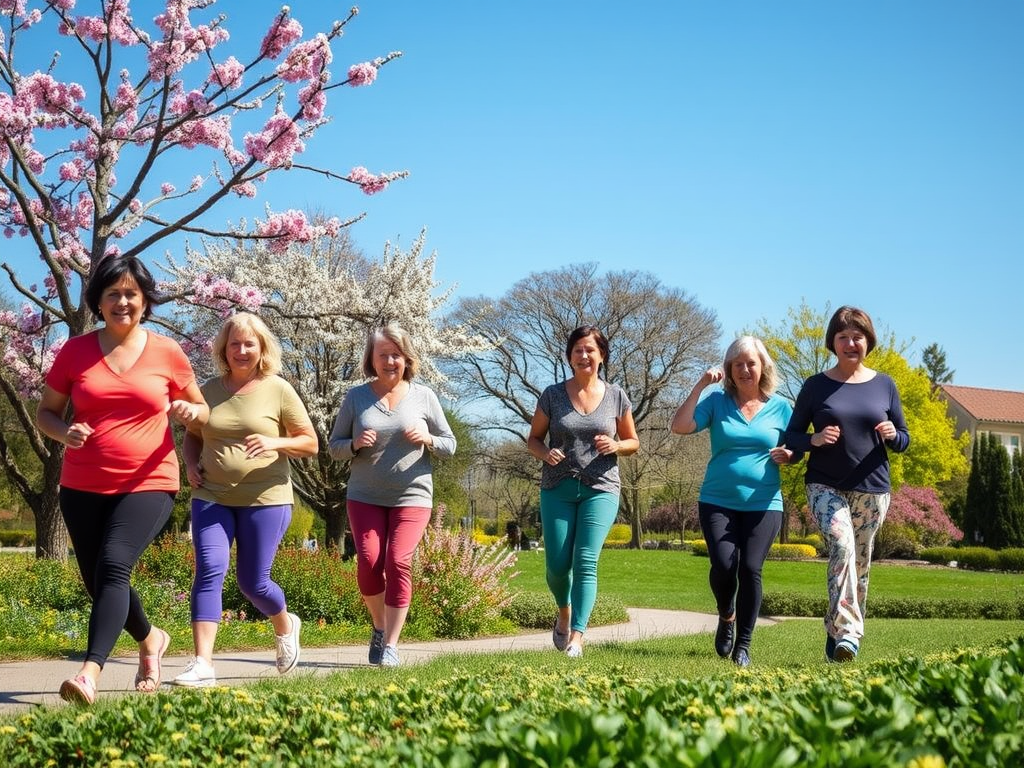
x=753 y=154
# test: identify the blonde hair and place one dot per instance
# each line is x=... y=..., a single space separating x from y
x=754 y=345
x=270 y=348
x=400 y=338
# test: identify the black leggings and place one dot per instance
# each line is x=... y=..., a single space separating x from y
x=738 y=543
x=109 y=534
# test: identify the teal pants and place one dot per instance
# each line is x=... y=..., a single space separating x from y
x=576 y=521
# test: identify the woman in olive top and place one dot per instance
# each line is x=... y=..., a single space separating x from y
x=238 y=467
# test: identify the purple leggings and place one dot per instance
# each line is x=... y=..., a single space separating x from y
x=259 y=531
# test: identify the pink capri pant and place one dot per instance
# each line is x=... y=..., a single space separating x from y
x=386 y=538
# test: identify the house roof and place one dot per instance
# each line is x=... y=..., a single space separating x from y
x=987 y=404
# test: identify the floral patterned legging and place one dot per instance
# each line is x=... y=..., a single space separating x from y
x=849 y=521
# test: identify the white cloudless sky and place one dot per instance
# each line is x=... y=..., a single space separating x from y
x=754 y=154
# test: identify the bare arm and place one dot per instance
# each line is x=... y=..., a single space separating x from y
x=683 y=422
x=535 y=442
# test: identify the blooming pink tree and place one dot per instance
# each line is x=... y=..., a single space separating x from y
x=95 y=160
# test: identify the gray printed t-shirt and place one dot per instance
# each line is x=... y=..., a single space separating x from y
x=393 y=472
x=574 y=433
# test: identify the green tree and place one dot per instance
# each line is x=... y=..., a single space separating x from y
x=450 y=471
x=933 y=357
x=977 y=494
x=1002 y=528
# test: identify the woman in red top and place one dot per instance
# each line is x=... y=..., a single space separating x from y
x=120 y=471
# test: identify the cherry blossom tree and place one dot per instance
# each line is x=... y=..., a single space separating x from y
x=320 y=298
x=95 y=160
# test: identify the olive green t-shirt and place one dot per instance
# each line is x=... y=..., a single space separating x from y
x=271 y=408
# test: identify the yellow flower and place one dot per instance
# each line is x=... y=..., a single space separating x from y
x=113 y=752
x=7 y=730
x=927 y=761
x=177 y=736
x=156 y=757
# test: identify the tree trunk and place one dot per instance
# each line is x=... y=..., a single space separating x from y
x=335 y=518
x=51 y=535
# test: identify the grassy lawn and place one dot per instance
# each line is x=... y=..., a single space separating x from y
x=679 y=580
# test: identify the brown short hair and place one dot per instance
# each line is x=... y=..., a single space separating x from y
x=400 y=338
x=581 y=333
x=846 y=318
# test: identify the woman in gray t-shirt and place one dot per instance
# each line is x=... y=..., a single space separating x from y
x=574 y=432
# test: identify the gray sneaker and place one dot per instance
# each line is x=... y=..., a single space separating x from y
x=389 y=658
x=376 y=646
x=288 y=647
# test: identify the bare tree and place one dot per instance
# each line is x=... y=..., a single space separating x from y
x=659 y=337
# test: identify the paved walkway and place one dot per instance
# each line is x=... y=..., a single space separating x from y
x=24 y=683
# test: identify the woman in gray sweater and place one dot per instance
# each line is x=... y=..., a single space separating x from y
x=388 y=427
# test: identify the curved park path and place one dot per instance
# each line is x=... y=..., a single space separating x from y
x=24 y=683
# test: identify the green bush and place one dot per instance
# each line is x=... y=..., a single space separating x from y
x=886 y=607
x=1011 y=559
x=21 y=538
x=978 y=558
x=699 y=547
x=815 y=540
x=532 y=610
x=620 y=533
x=940 y=555
x=897 y=540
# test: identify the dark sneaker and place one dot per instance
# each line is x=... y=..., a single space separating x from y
x=376 y=647
x=741 y=657
x=559 y=638
x=724 y=636
x=846 y=650
x=830 y=648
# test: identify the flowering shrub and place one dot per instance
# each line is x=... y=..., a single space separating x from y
x=915 y=519
x=459 y=587
x=619 y=534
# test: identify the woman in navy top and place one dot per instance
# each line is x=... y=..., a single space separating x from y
x=856 y=417
x=740 y=504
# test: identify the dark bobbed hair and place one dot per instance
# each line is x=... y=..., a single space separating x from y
x=110 y=271
x=394 y=333
x=581 y=333
x=846 y=318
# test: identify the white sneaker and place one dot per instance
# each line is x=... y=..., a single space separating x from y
x=198 y=674
x=390 y=657
x=574 y=650
x=288 y=647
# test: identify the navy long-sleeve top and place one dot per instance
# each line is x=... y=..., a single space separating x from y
x=858 y=461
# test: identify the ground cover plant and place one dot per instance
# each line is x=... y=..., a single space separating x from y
x=924 y=704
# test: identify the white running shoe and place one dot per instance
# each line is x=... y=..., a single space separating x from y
x=198 y=674
x=288 y=647
x=390 y=657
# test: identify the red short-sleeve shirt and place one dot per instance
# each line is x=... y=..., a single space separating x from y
x=131 y=448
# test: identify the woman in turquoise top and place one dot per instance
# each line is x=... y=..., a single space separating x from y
x=740 y=504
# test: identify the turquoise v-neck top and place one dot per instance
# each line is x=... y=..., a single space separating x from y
x=740 y=475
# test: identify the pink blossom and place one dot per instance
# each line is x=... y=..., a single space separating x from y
x=307 y=60
x=210 y=132
x=313 y=101
x=369 y=183
x=284 y=228
x=12 y=7
x=246 y=189
x=283 y=32
x=221 y=294
x=71 y=171
x=277 y=143
x=227 y=75
x=166 y=188
x=197 y=182
x=361 y=74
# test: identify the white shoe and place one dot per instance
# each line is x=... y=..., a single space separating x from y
x=390 y=657
x=288 y=647
x=198 y=674
x=574 y=650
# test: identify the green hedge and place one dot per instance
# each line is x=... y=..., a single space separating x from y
x=21 y=538
x=882 y=607
x=777 y=552
x=977 y=558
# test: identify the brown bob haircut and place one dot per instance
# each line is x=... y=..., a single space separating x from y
x=846 y=318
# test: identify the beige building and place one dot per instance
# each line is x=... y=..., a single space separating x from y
x=979 y=410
